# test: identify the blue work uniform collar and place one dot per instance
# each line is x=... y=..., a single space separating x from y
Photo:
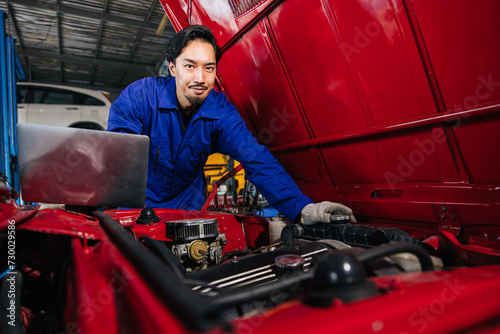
x=208 y=109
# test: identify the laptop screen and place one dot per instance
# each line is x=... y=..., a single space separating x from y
x=82 y=167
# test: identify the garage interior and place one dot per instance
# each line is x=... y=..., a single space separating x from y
x=103 y=45
x=100 y=45
x=387 y=108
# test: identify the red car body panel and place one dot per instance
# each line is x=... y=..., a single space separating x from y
x=393 y=104
x=107 y=294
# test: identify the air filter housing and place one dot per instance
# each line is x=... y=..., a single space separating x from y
x=183 y=231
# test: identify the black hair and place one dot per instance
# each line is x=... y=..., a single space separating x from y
x=195 y=32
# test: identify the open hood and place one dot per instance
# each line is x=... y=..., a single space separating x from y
x=375 y=104
x=390 y=107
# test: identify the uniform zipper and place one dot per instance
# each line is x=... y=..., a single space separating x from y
x=179 y=149
x=156 y=159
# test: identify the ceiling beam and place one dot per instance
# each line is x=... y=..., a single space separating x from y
x=59 y=44
x=99 y=37
x=64 y=9
x=31 y=52
x=137 y=40
x=14 y=23
x=19 y=40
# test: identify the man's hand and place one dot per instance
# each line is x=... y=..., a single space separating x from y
x=321 y=212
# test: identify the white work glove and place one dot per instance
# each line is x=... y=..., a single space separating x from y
x=320 y=212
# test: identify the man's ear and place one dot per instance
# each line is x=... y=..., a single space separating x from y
x=171 y=68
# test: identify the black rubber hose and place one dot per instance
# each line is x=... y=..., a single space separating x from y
x=10 y=291
x=288 y=234
x=165 y=254
x=192 y=310
x=230 y=255
x=398 y=247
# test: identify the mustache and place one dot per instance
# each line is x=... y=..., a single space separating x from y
x=198 y=86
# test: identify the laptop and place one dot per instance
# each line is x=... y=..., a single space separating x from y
x=82 y=167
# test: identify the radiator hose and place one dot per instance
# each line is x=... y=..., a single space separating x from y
x=289 y=233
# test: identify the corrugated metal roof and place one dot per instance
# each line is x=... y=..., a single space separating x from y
x=101 y=44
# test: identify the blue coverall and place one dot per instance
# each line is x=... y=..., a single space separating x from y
x=176 y=159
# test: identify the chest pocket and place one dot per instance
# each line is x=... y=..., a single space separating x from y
x=160 y=166
x=193 y=158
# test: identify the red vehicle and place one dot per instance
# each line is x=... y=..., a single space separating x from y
x=389 y=107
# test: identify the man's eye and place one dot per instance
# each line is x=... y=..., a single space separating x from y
x=189 y=66
x=210 y=69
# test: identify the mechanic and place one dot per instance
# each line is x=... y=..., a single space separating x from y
x=187 y=120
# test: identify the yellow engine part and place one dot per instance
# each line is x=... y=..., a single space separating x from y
x=197 y=250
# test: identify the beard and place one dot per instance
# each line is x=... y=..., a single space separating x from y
x=195 y=100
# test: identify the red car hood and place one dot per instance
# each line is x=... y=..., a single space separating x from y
x=391 y=108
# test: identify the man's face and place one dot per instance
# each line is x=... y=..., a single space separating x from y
x=194 y=71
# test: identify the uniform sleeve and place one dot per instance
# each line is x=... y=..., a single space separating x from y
x=126 y=113
x=261 y=168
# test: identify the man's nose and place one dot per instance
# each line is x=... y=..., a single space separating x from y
x=199 y=76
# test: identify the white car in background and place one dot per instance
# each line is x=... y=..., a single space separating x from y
x=62 y=106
